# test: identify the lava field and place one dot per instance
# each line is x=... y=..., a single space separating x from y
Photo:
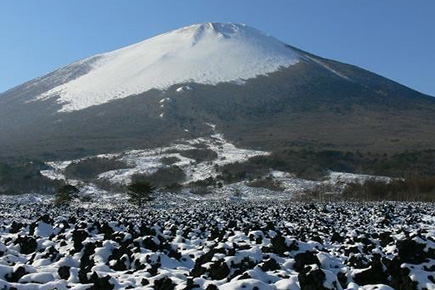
x=218 y=245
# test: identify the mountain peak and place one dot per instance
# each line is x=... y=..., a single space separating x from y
x=206 y=53
x=225 y=30
x=218 y=27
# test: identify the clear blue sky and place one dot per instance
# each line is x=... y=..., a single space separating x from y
x=394 y=38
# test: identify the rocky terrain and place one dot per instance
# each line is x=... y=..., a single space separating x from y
x=212 y=244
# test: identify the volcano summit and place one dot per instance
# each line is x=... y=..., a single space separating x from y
x=203 y=53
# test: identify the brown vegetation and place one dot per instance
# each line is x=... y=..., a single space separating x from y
x=166 y=177
x=24 y=177
x=169 y=160
x=89 y=169
x=200 y=155
x=268 y=183
x=408 y=189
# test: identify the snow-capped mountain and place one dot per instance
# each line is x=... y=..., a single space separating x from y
x=260 y=92
x=204 y=53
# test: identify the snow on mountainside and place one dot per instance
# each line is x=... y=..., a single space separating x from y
x=149 y=161
x=204 y=53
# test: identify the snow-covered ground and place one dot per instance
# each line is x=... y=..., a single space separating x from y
x=150 y=160
x=209 y=244
x=207 y=53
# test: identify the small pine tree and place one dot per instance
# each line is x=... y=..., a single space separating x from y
x=66 y=193
x=140 y=191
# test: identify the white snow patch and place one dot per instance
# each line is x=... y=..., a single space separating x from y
x=327 y=67
x=37 y=278
x=184 y=88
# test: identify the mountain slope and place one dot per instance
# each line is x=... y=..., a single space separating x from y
x=259 y=92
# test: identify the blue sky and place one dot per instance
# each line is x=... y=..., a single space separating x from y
x=394 y=38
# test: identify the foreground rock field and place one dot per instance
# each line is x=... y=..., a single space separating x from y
x=218 y=245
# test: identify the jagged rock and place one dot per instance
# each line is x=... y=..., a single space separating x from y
x=15 y=227
x=374 y=275
x=78 y=237
x=64 y=272
x=413 y=252
x=16 y=275
x=312 y=280
x=164 y=284
x=100 y=283
x=270 y=265
x=303 y=259
x=28 y=245
x=219 y=270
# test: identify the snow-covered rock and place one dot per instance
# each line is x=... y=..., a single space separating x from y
x=261 y=244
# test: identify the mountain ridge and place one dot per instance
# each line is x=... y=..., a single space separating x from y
x=314 y=102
